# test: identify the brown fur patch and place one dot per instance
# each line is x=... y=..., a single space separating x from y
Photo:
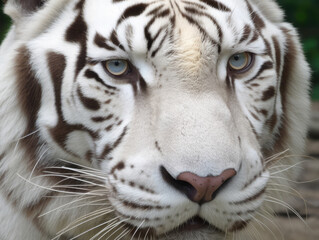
x=29 y=96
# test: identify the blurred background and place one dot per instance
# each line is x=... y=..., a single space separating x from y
x=303 y=14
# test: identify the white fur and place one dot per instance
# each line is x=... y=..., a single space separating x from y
x=188 y=111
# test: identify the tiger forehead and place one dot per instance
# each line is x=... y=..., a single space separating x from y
x=166 y=24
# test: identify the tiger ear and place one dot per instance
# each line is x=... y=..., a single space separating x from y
x=18 y=9
x=270 y=10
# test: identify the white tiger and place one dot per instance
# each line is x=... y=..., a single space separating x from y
x=148 y=119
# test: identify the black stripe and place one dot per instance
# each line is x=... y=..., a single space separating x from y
x=116 y=41
x=250 y=199
x=155 y=11
x=160 y=45
x=246 y=34
x=100 y=41
x=143 y=207
x=76 y=33
x=200 y=13
x=255 y=18
x=143 y=84
x=195 y=5
x=89 y=103
x=29 y=97
x=266 y=66
x=132 y=11
x=191 y=20
x=57 y=66
x=269 y=93
x=102 y=119
x=255 y=37
x=217 y=5
x=148 y=36
x=109 y=148
x=277 y=54
x=93 y=75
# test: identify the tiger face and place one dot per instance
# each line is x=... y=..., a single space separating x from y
x=169 y=114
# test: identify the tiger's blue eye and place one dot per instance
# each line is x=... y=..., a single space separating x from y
x=240 y=61
x=117 y=67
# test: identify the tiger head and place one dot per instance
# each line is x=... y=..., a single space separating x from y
x=174 y=116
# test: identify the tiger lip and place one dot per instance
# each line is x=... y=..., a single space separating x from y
x=194 y=223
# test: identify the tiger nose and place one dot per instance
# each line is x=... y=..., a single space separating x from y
x=198 y=189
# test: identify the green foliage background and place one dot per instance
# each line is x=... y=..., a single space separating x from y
x=303 y=14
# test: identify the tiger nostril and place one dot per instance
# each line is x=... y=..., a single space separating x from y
x=198 y=189
x=177 y=184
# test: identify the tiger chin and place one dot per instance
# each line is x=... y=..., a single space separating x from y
x=173 y=119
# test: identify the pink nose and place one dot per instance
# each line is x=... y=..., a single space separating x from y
x=202 y=189
x=198 y=189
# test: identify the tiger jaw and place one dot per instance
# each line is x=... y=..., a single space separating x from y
x=230 y=211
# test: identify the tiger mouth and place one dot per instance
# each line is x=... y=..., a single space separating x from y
x=193 y=224
x=196 y=223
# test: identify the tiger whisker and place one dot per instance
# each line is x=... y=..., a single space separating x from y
x=38 y=161
x=65 y=178
x=105 y=230
x=79 y=165
x=251 y=230
x=279 y=166
x=292 y=181
x=64 y=205
x=73 y=173
x=287 y=168
x=115 y=225
x=102 y=211
x=281 y=190
x=226 y=234
x=294 y=193
x=298 y=194
x=89 y=184
x=85 y=172
x=286 y=205
x=81 y=174
x=89 y=204
x=275 y=156
x=307 y=157
x=26 y=136
x=51 y=189
x=254 y=230
x=137 y=229
x=262 y=225
x=271 y=222
x=69 y=194
x=146 y=233
x=70 y=227
x=71 y=188
x=126 y=231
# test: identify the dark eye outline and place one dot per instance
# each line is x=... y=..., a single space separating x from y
x=248 y=65
x=122 y=74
